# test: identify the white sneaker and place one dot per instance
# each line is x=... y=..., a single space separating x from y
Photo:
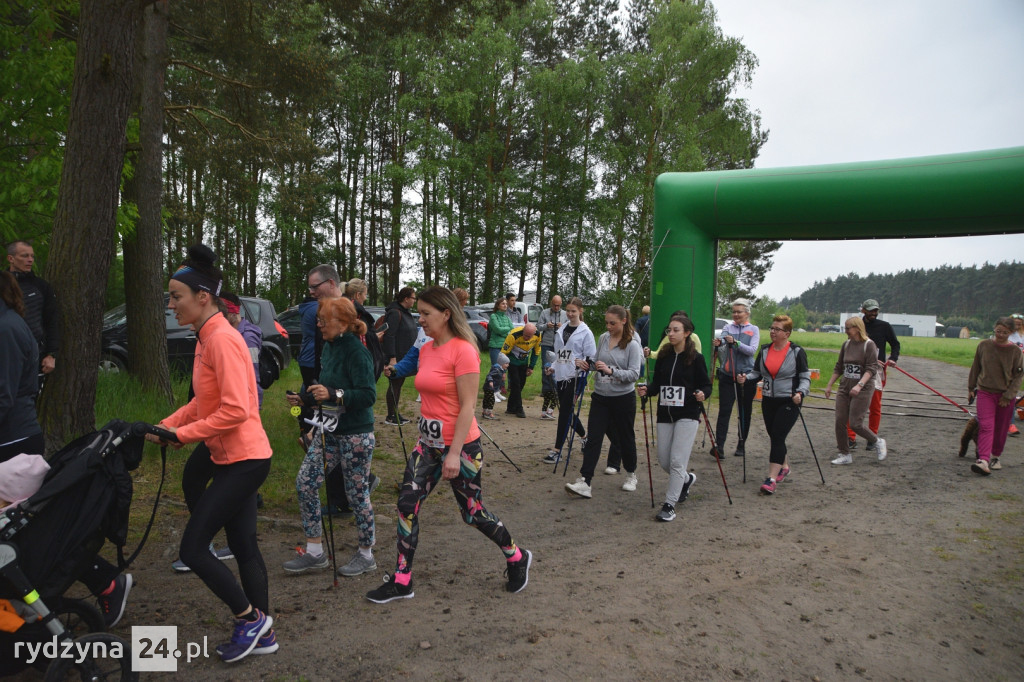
x=579 y=488
x=881 y=449
x=611 y=471
x=546 y=415
x=498 y=398
x=630 y=484
x=843 y=459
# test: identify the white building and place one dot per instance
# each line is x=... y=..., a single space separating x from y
x=902 y=324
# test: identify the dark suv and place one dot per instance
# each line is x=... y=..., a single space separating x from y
x=181 y=341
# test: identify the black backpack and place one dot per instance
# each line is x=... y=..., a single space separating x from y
x=373 y=345
x=269 y=371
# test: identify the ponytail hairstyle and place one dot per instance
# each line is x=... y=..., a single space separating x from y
x=343 y=310
x=199 y=272
x=627 y=326
x=10 y=292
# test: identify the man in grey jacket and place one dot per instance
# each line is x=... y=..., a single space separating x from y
x=550 y=320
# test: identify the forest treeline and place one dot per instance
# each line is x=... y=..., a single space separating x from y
x=488 y=144
x=961 y=296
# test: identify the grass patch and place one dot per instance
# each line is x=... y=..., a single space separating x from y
x=954 y=351
x=944 y=553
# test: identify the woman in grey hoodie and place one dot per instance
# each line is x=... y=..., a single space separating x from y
x=613 y=401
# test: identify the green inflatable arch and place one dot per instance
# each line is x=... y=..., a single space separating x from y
x=937 y=196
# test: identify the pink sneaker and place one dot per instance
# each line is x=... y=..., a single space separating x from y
x=782 y=475
x=768 y=487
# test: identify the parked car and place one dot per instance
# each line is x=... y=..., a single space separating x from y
x=291 y=320
x=181 y=341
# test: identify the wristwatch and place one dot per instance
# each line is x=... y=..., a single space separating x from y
x=339 y=394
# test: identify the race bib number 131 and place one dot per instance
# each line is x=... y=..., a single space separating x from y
x=672 y=396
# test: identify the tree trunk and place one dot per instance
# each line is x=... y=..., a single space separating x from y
x=143 y=274
x=83 y=230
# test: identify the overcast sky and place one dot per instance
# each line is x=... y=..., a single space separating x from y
x=881 y=79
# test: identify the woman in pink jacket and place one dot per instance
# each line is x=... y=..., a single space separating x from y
x=232 y=459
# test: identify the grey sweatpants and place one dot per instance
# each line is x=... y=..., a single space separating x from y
x=675 y=441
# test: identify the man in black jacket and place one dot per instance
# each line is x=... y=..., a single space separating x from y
x=40 y=303
x=398 y=339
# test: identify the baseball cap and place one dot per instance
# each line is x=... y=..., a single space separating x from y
x=870 y=304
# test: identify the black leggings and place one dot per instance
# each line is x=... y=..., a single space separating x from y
x=727 y=394
x=566 y=393
x=780 y=414
x=613 y=415
x=224 y=496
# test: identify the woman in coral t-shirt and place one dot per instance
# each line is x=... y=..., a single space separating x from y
x=448 y=381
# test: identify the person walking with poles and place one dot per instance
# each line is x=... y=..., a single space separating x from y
x=449 y=448
x=782 y=366
x=994 y=380
x=736 y=349
x=681 y=382
x=345 y=393
x=613 y=401
x=858 y=367
x=882 y=333
x=574 y=343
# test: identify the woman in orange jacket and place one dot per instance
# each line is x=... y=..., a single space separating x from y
x=224 y=472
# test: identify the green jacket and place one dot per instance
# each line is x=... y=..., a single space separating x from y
x=497 y=329
x=346 y=364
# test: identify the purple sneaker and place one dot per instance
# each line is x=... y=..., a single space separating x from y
x=246 y=636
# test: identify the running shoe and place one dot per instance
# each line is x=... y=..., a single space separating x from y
x=113 y=603
x=994 y=465
x=358 y=565
x=551 y=457
x=667 y=513
x=981 y=466
x=843 y=459
x=782 y=475
x=246 y=636
x=518 y=572
x=267 y=644
x=768 y=487
x=881 y=449
x=630 y=484
x=580 y=488
x=686 y=488
x=307 y=562
x=390 y=591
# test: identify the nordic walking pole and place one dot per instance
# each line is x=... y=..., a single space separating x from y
x=398 y=417
x=714 y=449
x=739 y=410
x=581 y=387
x=647 y=442
x=800 y=411
x=714 y=362
x=570 y=429
x=949 y=400
x=330 y=516
x=499 y=448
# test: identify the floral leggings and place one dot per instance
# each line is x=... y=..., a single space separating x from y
x=354 y=453
x=421 y=475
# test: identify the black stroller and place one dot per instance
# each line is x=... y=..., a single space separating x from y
x=50 y=539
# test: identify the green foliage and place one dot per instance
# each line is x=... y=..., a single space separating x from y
x=38 y=56
x=974 y=295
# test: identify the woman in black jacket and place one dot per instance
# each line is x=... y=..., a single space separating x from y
x=681 y=382
x=398 y=339
x=783 y=368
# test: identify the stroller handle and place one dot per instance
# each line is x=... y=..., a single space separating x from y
x=142 y=428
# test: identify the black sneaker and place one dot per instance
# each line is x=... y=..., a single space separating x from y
x=740 y=451
x=852 y=444
x=686 y=489
x=667 y=513
x=518 y=573
x=390 y=591
x=112 y=604
x=521 y=414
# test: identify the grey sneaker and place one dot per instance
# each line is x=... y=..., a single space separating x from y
x=667 y=513
x=305 y=562
x=358 y=565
